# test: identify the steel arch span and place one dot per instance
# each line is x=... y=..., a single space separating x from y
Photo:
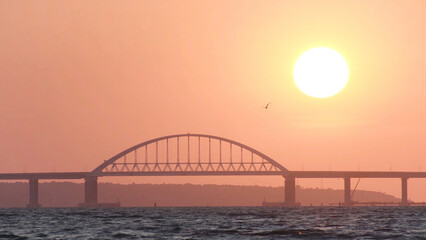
x=189 y=155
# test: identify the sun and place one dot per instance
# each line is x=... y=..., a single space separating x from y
x=321 y=72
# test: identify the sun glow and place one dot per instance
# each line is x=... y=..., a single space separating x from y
x=321 y=72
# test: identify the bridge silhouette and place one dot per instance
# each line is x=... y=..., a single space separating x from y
x=199 y=155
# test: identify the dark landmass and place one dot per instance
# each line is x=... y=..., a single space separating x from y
x=67 y=194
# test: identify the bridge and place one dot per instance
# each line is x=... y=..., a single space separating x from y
x=199 y=155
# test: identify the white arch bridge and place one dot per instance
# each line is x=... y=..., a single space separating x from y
x=198 y=155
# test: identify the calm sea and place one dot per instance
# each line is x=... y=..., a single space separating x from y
x=215 y=223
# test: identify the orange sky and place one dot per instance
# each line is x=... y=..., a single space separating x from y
x=82 y=80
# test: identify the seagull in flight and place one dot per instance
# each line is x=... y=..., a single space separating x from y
x=267 y=105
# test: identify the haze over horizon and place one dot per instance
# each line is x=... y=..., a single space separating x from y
x=82 y=81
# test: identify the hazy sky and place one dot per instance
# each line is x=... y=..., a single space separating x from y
x=83 y=80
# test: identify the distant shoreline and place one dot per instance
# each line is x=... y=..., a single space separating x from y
x=68 y=194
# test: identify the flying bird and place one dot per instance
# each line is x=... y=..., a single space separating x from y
x=267 y=105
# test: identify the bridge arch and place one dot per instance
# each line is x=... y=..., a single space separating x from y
x=189 y=154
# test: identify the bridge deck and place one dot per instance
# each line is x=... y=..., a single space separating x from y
x=45 y=175
x=357 y=174
x=296 y=174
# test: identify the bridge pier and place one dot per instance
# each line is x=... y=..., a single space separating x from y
x=347 y=198
x=290 y=191
x=33 y=193
x=404 y=193
x=91 y=191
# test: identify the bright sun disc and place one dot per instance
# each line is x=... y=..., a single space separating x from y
x=321 y=72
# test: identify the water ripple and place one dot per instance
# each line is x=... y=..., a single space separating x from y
x=215 y=223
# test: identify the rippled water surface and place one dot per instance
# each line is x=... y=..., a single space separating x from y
x=218 y=223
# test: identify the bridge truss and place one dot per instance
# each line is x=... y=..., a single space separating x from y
x=189 y=154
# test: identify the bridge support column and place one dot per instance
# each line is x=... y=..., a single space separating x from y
x=347 y=199
x=33 y=194
x=290 y=191
x=404 y=194
x=91 y=191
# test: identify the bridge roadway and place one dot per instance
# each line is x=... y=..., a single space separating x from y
x=290 y=187
x=295 y=174
x=43 y=175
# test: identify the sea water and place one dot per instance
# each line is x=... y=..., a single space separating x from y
x=215 y=223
